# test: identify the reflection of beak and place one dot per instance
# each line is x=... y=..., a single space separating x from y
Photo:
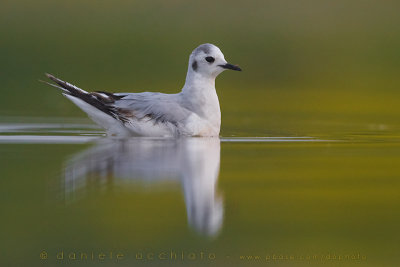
x=230 y=67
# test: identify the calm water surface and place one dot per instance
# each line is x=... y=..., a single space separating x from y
x=69 y=192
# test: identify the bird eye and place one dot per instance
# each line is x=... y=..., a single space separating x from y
x=210 y=59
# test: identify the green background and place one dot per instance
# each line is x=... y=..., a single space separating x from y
x=309 y=64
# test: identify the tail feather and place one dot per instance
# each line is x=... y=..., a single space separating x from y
x=103 y=101
x=70 y=87
x=54 y=85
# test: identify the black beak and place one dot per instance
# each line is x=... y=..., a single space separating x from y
x=230 y=67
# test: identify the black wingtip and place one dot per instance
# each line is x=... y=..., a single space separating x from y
x=54 y=85
x=50 y=76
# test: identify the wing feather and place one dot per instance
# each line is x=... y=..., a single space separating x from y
x=156 y=107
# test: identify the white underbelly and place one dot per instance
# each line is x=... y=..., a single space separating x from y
x=197 y=126
x=151 y=128
x=192 y=126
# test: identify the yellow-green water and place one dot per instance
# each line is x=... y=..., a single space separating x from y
x=69 y=191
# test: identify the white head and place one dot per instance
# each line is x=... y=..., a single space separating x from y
x=208 y=60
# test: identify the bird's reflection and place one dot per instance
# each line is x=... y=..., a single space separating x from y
x=192 y=162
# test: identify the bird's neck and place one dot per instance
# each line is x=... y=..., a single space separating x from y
x=195 y=80
x=199 y=91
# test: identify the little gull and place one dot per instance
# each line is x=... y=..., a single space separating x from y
x=194 y=111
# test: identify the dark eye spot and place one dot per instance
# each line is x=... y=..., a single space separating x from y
x=194 y=65
x=210 y=59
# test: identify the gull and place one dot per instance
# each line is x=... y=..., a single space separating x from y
x=194 y=111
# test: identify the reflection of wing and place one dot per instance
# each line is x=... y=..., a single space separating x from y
x=194 y=162
x=133 y=159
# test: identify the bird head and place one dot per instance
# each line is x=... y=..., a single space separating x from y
x=208 y=60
